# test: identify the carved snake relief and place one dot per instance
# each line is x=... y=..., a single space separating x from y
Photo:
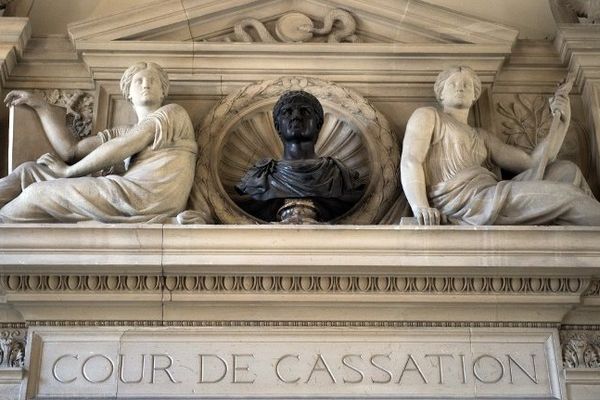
x=346 y=25
x=346 y=33
x=240 y=34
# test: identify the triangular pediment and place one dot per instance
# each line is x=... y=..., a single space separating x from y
x=377 y=21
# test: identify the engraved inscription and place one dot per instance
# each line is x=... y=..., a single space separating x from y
x=207 y=362
x=102 y=366
x=55 y=374
x=166 y=365
x=291 y=368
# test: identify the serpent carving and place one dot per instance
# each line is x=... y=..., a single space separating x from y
x=346 y=33
x=338 y=25
x=241 y=35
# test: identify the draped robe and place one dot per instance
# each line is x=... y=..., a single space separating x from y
x=155 y=186
x=461 y=185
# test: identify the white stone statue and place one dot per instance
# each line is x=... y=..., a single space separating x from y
x=447 y=166
x=161 y=149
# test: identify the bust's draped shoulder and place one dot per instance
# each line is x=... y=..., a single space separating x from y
x=323 y=177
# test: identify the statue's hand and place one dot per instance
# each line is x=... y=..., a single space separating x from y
x=428 y=216
x=55 y=164
x=560 y=105
x=22 y=97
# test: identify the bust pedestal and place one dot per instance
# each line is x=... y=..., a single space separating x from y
x=298 y=211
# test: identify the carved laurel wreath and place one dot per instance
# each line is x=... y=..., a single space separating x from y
x=376 y=141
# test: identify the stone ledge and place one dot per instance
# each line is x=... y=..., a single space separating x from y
x=583 y=376
x=11 y=375
x=318 y=250
x=243 y=273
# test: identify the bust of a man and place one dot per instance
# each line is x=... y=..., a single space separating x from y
x=302 y=187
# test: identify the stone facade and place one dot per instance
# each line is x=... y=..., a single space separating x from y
x=356 y=309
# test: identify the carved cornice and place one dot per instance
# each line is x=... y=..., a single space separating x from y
x=300 y=324
x=289 y=284
x=156 y=272
x=15 y=31
x=579 y=48
x=12 y=325
x=50 y=62
x=579 y=327
x=202 y=62
x=14 y=35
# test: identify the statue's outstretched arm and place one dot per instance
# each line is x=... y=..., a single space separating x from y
x=107 y=154
x=53 y=121
x=417 y=140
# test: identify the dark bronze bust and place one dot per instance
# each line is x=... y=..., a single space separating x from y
x=300 y=188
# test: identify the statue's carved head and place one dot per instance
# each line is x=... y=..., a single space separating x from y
x=298 y=115
x=448 y=74
x=130 y=72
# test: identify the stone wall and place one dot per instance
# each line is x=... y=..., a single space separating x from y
x=507 y=312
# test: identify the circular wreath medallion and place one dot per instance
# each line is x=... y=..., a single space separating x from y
x=239 y=131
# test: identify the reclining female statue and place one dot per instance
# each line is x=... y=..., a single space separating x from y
x=446 y=166
x=161 y=149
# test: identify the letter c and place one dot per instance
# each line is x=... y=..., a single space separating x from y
x=55 y=365
x=278 y=373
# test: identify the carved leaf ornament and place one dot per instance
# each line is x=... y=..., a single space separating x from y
x=580 y=349
x=12 y=349
x=79 y=107
x=526 y=121
x=239 y=131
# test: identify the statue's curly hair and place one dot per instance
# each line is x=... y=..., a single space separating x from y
x=308 y=98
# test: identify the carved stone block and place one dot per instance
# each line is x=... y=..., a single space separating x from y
x=293 y=363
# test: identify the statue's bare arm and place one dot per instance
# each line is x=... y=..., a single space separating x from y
x=508 y=157
x=417 y=140
x=68 y=148
x=107 y=154
x=516 y=160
